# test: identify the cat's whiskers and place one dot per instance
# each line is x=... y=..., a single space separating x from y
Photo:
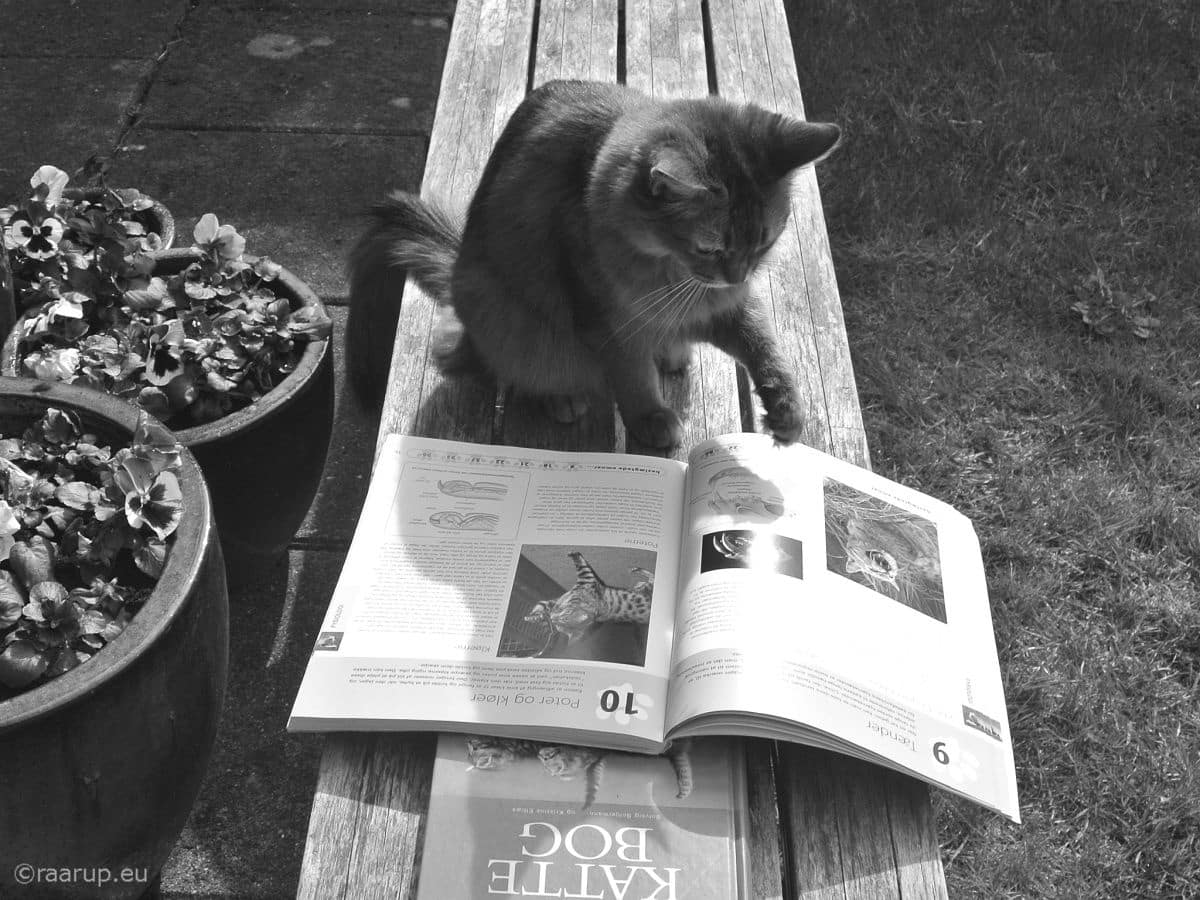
x=689 y=301
x=670 y=317
x=644 y=313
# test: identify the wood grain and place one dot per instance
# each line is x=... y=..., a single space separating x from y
x=853 y=830
x=364 y=836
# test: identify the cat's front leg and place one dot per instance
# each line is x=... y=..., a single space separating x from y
x=747 y=336
x=633 y=376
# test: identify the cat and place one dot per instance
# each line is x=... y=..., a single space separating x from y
x=591 y=602
x=890 y=550
x=609 y=232
x=567 y=761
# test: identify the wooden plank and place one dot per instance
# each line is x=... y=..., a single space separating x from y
x=764 y=852
x=369 y=805
x=853 y=830
x=917 y=852
x=576 y=39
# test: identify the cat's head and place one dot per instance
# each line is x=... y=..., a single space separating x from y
x=486 y=754
x=711 y=187
x=566 y=762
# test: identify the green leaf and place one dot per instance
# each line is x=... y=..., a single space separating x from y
x=62 y=662
x=32 y=561
x=12 y=601
x=151 y=557
x=21 y=664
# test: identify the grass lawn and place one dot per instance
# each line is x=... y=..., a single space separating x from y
x=1015 y=222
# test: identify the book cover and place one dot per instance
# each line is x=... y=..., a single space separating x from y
x=512 y=818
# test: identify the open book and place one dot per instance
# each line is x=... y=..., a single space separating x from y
x=623 y=601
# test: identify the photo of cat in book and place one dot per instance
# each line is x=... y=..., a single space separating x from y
x=610 y=231
x=562 y=607
x=568 y=762
x=890 y=550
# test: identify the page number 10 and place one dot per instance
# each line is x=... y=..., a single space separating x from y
x=610 y=701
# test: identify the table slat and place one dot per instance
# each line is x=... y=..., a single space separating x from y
x=364 y=836
x=852 y=827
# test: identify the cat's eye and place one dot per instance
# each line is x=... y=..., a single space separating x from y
x=708 y=249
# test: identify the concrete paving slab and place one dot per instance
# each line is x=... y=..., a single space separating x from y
x=334 y=513
x=245 y=837
x=440 y=8
x=307 y=69
x=59 y=111
x=296 y=198
x=132 y=29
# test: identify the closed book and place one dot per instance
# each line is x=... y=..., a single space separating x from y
x=514 y=818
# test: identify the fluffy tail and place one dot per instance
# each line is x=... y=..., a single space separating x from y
x=405 y=235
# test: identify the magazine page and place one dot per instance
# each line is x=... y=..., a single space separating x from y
x=501 y=589
x=511 y=818
x=842 y=609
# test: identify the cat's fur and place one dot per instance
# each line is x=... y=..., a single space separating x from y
x=609 y=231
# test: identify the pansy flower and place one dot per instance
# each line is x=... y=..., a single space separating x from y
x=222 y=241
x=164 y=359
x=35 y=233
x=48 y=183
x=152 y=498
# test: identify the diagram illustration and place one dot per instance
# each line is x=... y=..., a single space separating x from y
x=473 y=490
x=450 y=520
x=737 y=491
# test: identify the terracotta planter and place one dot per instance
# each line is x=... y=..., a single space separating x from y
x=263 y=463
x=105 y=761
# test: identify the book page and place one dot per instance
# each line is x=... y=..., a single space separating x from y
x=497 y=588
x=815 y=592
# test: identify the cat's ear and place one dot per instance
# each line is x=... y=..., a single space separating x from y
x=797 y=143
x=672 y=174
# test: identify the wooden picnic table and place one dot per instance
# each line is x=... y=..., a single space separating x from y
x=822 y=825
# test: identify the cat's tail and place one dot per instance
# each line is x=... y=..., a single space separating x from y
x=405 y=236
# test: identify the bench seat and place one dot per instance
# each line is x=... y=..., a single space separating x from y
x=822 y=825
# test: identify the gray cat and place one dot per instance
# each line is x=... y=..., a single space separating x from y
x=609 y=232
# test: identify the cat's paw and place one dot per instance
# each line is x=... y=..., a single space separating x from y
x=659 y=428
x=784 y=418
x=566 y=408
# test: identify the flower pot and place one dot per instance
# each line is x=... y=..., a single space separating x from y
x=8 y=300
x=263 y=463
x=105 y=761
